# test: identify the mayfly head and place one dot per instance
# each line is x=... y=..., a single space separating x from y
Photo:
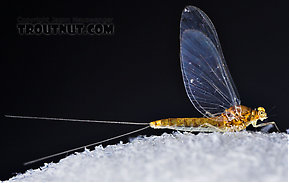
x=261 y=113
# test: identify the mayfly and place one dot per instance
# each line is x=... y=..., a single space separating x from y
x=208 y=84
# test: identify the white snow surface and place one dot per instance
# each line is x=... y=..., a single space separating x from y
x=241 y=156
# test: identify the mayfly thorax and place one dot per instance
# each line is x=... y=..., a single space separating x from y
x=207 y=81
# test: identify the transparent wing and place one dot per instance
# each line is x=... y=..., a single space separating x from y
x=207 y=79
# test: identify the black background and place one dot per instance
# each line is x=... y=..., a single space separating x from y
x=133 y=75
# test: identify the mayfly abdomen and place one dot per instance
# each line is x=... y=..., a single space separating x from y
x=184 y=124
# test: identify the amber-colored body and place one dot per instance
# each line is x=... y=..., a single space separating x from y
x=235 y=118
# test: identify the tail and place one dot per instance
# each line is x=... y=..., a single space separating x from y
x=74 y=120
x=79 y=120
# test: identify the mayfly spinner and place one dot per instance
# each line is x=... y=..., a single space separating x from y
x=208 y=84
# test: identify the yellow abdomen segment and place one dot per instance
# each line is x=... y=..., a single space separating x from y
x=183 y=122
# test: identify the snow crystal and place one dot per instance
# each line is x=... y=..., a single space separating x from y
x=242 y=156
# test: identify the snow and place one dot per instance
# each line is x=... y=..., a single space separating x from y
x=241 y=156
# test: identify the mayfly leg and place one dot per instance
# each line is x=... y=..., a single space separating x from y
x=265 y=124
x=80 y=120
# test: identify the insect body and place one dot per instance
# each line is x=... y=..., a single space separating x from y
x=208 y=82
x=230 y=120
